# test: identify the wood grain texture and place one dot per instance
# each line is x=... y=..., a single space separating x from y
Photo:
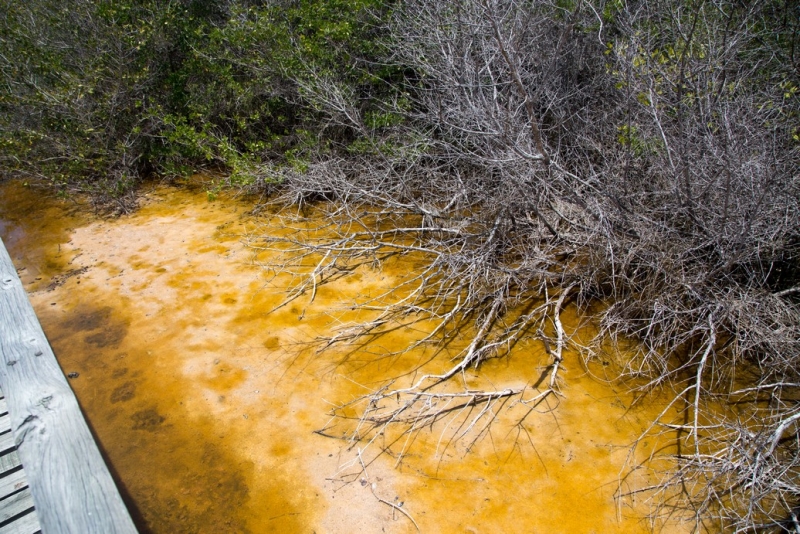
x=28 y=524
x=6 y=441
x=16 y=504
x=13 y=482
x=9 y=461
x=70 y=483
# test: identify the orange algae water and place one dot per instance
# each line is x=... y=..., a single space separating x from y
x=205 y=403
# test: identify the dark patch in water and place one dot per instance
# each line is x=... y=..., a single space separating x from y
x=111 y=336
x=85 y=318
x=119 y=373
x=216 y=496
x=125 y=392
x=148 y=419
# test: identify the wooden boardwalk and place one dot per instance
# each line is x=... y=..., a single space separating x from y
x=17 y=512
x=43 y=430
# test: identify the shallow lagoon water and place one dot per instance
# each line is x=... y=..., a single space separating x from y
x=205 y=401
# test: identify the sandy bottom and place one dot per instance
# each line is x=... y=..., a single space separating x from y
x=205 y=401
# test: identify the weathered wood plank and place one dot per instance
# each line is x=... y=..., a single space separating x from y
x=13 y=482
x=71 y=486
x=5 y=422
x=9 y=461
x=16 y=504
x=6 y=441
x=28 y=524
